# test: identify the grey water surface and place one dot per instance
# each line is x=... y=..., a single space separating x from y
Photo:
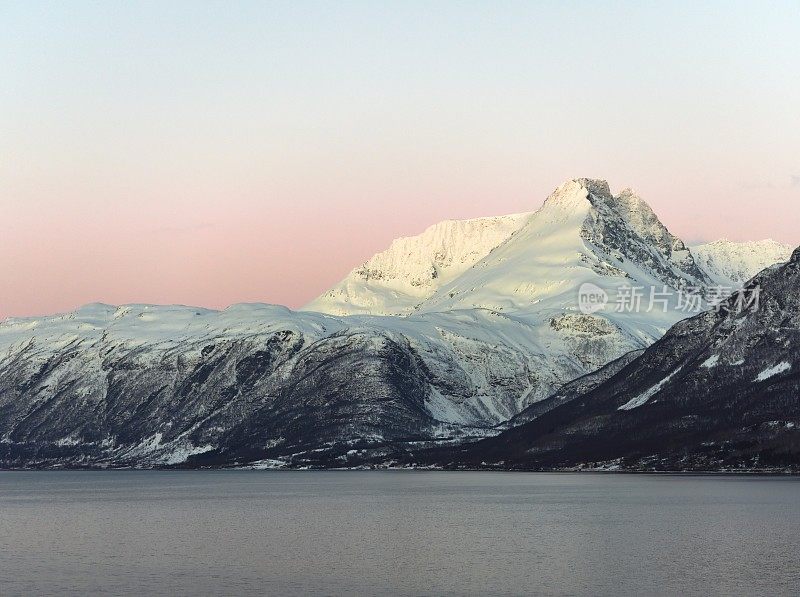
x=397 y=533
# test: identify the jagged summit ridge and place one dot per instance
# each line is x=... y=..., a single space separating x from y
x=397 y=280
x=624 y=227
x=596 y=186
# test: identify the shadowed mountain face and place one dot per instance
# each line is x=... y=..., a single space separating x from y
x=116 y=396
x=718 y=391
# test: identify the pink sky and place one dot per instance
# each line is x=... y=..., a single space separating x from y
x=209 y=156
x=202 y=248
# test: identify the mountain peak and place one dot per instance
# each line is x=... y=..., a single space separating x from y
x=597 y=192
x=577 y=191
x=595 y=186
x=796 y=256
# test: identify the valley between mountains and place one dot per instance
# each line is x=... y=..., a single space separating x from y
x=466 y=346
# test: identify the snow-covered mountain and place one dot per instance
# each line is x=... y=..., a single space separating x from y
x=486 y=319
x=513 y=263
x=731 y=264
x=582 y=234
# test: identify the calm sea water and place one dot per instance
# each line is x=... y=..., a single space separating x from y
x=414 y=533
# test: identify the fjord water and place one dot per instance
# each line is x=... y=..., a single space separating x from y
x=432 y=533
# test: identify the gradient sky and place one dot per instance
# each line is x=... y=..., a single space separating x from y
x=209 y=153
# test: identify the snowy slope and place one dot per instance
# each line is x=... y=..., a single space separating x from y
x=395 y=281
x=730 y=263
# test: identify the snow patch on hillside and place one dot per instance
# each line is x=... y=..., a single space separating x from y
x=773 y=371
x=642 y=398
